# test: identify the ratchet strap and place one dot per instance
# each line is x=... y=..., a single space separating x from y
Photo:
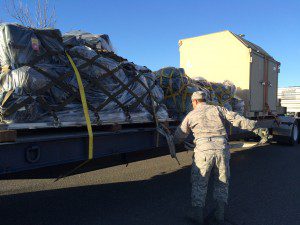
x=164 y=131
x=84 y=106
x=87 y=119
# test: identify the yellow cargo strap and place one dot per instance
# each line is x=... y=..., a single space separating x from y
x=84 y=106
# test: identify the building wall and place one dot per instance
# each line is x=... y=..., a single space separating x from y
x=216 y=57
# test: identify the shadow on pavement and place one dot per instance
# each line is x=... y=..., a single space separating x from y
x=160 y=200
x=95 y=164
x=264 y=190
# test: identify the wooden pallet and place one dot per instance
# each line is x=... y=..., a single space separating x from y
x=8 y=136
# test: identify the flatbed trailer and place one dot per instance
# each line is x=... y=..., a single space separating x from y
x=47 y=147
x=39 y=148
x=252 y=69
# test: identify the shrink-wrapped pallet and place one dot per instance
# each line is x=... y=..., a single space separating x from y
x=38 y=84
x=178 y=88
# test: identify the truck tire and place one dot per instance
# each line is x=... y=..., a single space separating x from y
x=291 y=140
x=294 y=139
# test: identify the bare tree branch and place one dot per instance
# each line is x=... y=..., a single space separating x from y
x=40 y=16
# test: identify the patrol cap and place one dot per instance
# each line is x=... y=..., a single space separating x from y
x=197 y=95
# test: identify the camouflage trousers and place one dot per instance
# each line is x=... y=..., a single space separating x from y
x=205 y=163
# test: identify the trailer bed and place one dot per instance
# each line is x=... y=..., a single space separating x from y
x=46 y=147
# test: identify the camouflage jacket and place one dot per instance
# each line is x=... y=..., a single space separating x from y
x=209 y=121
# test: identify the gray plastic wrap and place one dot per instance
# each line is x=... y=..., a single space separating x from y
x=178 y=88
x=125 y=75
x=94 y=41
x=39 y=85
x=206 y=87
x=21 y=46
x=222 y=94
x=238 y=105
x=31 y=91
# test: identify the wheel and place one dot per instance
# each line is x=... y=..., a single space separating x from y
x=294 y=139
x=291 y=140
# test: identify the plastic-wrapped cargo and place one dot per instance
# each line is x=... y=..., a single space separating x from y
x=38 y=84
x=178 y=88
x=222 y=94
x=23 y=46
x=94 y=41
x=238 y=105
x=205 y=86
x=120 y=81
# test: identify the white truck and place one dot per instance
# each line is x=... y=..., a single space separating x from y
x=289 y=97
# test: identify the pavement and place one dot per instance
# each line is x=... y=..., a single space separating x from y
x=264 y=190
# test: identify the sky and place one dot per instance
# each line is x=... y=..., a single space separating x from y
x=147 y=32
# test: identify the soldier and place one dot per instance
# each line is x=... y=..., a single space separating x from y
x=211 y=154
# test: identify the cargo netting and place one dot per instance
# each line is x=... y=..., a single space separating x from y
x=178 y=88
x=222 y=94
x=38 y=83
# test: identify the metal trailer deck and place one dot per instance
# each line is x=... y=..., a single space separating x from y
x=40 y=148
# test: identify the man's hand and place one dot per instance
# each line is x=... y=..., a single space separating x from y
x=263 y=133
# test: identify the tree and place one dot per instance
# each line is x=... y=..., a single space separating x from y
x=40 y=16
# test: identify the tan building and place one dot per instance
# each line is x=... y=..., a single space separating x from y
x=227 y=56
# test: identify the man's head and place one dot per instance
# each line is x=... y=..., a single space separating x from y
x=197 y=98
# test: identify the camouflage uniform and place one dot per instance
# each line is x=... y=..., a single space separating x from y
x=207 y=123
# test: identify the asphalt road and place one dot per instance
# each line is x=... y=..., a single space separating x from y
x=265 y=190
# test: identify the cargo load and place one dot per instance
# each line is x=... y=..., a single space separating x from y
x=94 y=41
x=221 y=94
x=38 y=83
x=178 y=88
